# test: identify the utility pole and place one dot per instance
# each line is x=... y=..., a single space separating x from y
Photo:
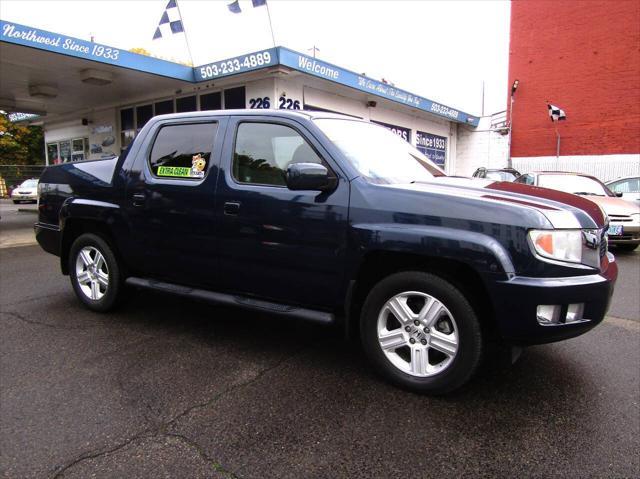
x=514 y=87
x=314 y=49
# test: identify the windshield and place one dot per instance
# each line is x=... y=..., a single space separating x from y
x=378 y=154
x=578 y=185
x=29 y=184
x=501 y=175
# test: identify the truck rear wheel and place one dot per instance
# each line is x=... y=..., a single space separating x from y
x=94 y=272
x=421 y=333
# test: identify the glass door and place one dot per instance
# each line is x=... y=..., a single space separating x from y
x=65 y=151
x=77 y=149
x=53 y=154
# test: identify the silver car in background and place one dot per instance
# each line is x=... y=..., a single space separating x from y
x=624 y=216
x=27 y=191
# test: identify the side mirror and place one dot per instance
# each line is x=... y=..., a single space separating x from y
x=618 y=194
x=308 y=176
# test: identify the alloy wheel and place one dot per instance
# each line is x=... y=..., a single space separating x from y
x=92 y=273
x=417 y=334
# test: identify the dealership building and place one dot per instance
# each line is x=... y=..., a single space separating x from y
x=93 y=99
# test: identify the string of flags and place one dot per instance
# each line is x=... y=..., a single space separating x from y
x=234 y=7
x=556 y=113
x=170 y=22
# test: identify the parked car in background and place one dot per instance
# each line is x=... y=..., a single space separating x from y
x=624 y=216
x=628 y=187
x=498 y=174
x=26 y=192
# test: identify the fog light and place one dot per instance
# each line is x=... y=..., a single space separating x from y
x=548 y=314
x=575 y=312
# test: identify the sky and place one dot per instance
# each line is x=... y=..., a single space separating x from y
x=441 y=50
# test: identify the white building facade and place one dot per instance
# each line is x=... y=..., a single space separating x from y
x=93 y=99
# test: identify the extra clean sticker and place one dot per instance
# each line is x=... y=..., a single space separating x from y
x=198 y=167
x=179 y=171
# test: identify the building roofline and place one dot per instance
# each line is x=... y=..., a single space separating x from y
x=14 y=33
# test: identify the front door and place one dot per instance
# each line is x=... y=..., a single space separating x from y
x=274 y=243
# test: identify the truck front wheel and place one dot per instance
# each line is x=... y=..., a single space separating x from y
x=421 y=332
x=94 y=272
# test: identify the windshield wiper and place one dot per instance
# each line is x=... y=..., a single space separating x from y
x=590 y=193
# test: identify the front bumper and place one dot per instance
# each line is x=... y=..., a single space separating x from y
x=630 y=235
x=18 y=197
x=517 y=300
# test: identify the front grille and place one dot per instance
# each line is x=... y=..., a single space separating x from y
x=620 y=218
x=603 y=243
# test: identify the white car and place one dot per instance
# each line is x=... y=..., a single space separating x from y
x=629 y=187
x=27 y=191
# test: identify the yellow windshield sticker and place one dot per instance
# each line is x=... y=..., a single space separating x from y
x=198 y=164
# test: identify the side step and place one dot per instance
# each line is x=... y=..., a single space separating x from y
x=320 y=317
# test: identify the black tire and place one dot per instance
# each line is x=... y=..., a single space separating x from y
x=470 y=342
x=15 y=202
x=113 y=290
x=627 y=248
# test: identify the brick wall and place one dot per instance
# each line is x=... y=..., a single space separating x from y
x=584 y=57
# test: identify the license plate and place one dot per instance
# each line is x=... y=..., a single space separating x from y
x=615 y=230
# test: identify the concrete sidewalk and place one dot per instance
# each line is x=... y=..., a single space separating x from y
x=16 y=224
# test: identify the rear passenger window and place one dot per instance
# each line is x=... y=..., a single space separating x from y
x=263 y=152
x=183 y=151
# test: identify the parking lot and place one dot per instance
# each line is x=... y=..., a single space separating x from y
x=168 y=388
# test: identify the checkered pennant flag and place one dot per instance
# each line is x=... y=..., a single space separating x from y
x=556 y=113
x=170 y=22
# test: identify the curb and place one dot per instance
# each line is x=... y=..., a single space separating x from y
x=27 y=210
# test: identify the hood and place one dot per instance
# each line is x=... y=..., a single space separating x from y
x=614 y=206
x=562 y=210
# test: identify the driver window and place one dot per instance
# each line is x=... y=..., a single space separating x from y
x=263 y=151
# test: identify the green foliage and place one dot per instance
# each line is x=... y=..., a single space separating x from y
x=20 y=144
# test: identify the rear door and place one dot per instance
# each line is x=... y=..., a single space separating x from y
x=274 y=243
x=170 y=201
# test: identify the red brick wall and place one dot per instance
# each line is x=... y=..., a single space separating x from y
x=583 y=56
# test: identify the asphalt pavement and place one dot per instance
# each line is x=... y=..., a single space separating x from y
x=164 y=387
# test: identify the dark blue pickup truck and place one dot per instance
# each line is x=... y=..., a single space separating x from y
x=335 y=220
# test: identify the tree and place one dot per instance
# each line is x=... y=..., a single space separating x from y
x=140 y=51
x=20 y=144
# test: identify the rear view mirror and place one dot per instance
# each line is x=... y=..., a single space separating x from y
x=308 y=176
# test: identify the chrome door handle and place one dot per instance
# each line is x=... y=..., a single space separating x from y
x=139 y=199
x=231 y=208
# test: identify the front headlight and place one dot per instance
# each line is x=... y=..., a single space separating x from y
x=561 y=245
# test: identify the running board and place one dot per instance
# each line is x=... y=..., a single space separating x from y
x=233 y=300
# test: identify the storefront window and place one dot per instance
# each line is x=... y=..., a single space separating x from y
x=163 y=107
x=77 y=150
x=211 y=101
x=126 y=119
x=53 y=155
x=126 y=127
x=65 y=151
x=235 y=98
x=144 y=113
x=186 y=103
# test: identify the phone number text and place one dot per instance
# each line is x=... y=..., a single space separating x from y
x=235 y=65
